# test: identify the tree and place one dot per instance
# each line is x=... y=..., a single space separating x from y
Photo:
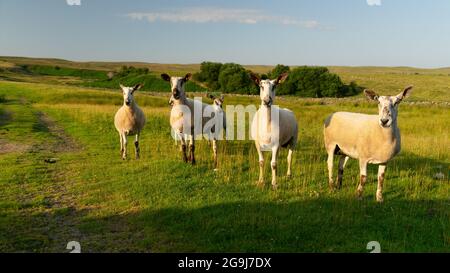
x=315 y=82
x=305 y=81
x=234 y=78
x=278 y=70
x=209 y=74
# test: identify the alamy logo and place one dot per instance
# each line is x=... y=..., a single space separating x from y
x=74 y=246
x=207 y=122
x=73 y=2
x=374 y=247
x=374 y=2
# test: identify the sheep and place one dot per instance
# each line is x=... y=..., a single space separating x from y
x=372 y=139
x=273 y=128
x=217 y=107
x=129 y=120
x=172 y=132
x=183 y=118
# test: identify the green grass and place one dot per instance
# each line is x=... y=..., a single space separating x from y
x=65 y=72
x=159 y=204
x=85 y=77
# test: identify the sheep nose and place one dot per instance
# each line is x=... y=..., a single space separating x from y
x=176 y=93
x=267 y=100
x=384 y=121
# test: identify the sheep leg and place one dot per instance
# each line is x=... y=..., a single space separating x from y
x=214 y=146
x=330 y=169
x=121 y=144
x=261 y=166
x=175 y=139
x=342 y=162
x=124 y=153
x=289 y=161
x=183 y=147
x=192 y=149
x=136 y=146
x=381 y=171
x=273 y=165
x=362 y=179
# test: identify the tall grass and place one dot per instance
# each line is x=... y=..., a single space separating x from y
x=160 y=204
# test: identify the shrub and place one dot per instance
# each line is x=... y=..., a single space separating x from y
x=209 y=74
x=233 y=78
x=316 y=82
x=277 y=71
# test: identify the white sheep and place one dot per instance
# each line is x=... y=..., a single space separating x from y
x=273 y=127
x=129 y=120
x=217 y=110
x=373 y=139
x=183 y=117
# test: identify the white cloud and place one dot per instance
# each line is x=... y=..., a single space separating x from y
x=374 y=2
x=216 y=15
x=73 y=2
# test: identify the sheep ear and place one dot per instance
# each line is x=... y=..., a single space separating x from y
x=187 y=77
x=210 y=96
x=255 y=78
x=165 y=77
x=222 y=97
x=281 y=78
x=137 y=86
x=371 y=94
x=405 y=93
x=121 y=86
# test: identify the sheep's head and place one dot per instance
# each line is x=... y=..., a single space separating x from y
x=128 y=93
x=217 y=100
x=388 y=105
x=177 y=85
x=267 y=88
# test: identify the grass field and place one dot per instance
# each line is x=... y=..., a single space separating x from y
x=62 y=178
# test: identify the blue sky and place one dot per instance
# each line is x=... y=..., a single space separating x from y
x=294 y=32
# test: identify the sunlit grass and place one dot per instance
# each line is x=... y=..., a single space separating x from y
x=160 y=204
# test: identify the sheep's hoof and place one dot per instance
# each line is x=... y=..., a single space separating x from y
x=274 y=186
x=359 y=196
x=331 y=185
x=289 y=176
x=380 y=198
x=216 y=170
x=260 y=183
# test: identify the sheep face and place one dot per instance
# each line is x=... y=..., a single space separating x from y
x=267 y=92
x=217 y=101
x=128 y=92
x=267 y=88
x=177 y=85
x=387 y=106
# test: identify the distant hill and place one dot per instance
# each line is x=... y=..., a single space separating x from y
x=429 y=84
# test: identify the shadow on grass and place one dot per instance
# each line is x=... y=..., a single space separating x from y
x=40 y=124
x=5 y=117
x=415 y=162
x=319 y=225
